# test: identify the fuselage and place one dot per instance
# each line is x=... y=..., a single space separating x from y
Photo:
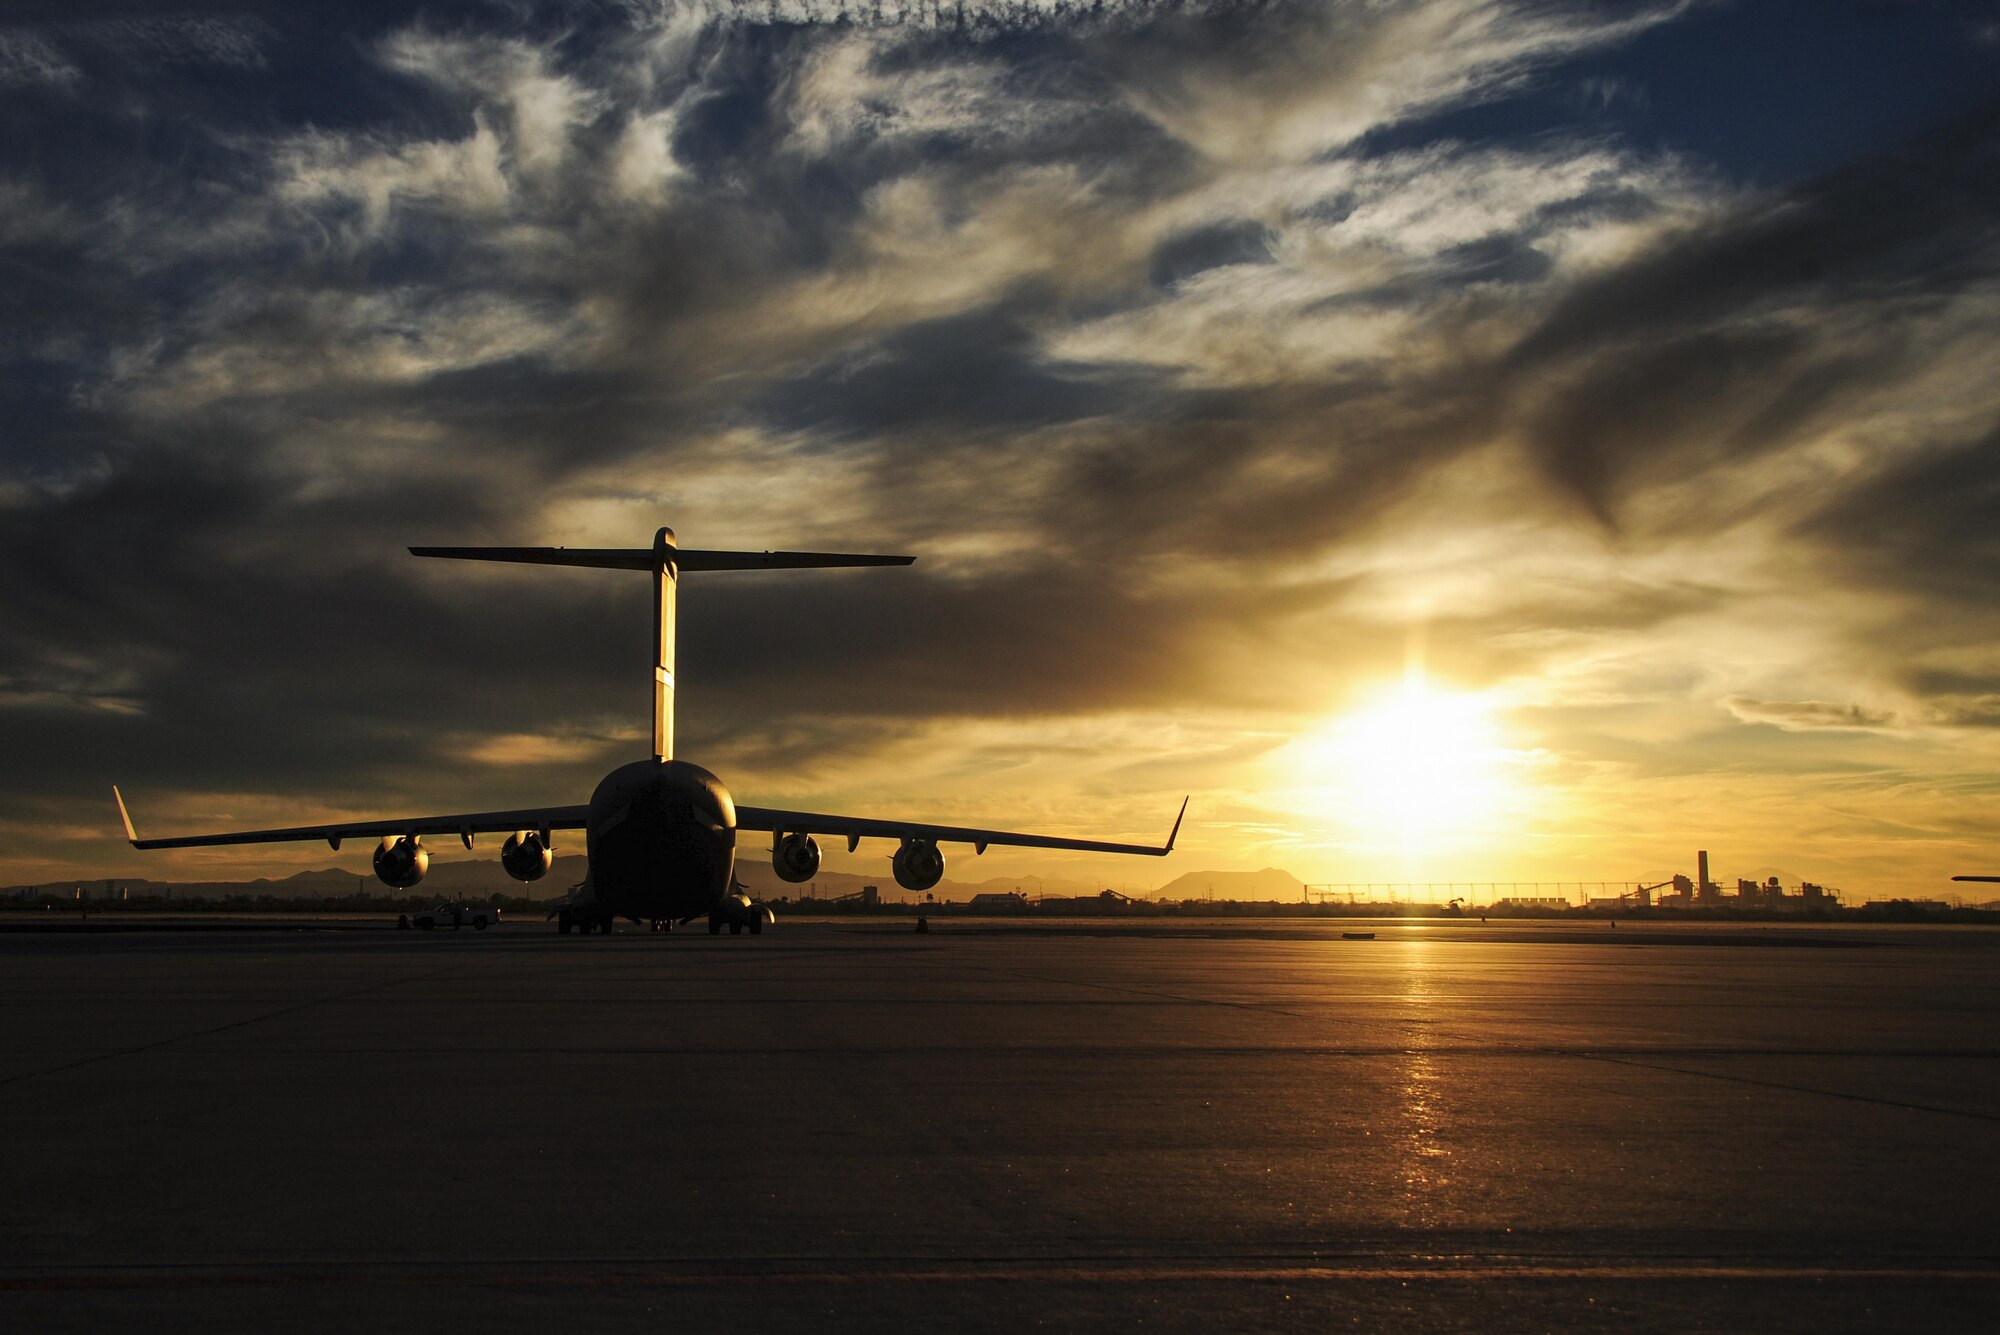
x=661 y=840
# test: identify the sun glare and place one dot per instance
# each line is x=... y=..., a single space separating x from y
x=1424 y=765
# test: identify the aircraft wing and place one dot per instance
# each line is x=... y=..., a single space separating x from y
x=857 y=828
x=464 y=826
x=1976 y=878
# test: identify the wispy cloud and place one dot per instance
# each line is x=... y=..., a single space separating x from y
x=28 y=58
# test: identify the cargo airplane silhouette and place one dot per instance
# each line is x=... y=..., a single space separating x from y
x=659 y=834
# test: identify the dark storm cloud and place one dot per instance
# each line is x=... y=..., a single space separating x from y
x=1926 y=529
x=1980 y=711
x=1808 y=715
x=981 y=371
x=1187 y=483
x=1922 y=214
x=1628 y=414
x=1199 y=249
x=1930 y=520
x=1732 y=337
x=245 y=631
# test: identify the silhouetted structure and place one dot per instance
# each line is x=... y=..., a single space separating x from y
x=661 y=832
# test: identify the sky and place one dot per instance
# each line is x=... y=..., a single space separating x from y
x=1452 y=440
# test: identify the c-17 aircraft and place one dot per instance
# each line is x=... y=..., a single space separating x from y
x=659 y=834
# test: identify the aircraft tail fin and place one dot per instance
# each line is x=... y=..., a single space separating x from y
x=666 y=559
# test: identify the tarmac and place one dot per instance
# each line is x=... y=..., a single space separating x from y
x=851 y=1126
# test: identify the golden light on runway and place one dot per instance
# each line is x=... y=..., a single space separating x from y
x=1427 y=766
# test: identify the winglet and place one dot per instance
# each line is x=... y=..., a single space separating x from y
x=1175 y=834
x=131 y=835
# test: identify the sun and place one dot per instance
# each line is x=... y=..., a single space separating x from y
x=1424 y=765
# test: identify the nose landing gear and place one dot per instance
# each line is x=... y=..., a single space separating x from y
x=737 y=911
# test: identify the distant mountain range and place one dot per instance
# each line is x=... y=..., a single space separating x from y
x=479 y=877
x=1245 y=886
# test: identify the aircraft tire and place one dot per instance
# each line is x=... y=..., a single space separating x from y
x=565 y=924
x=757 y=928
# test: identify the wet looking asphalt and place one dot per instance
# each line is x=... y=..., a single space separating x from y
x=849 y=1126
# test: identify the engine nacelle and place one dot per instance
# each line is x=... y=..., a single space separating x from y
x=918 y=864
x=401 y=863
x=795 y=858
x=525 y=857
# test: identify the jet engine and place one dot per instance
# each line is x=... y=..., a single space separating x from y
x=525 y=857
x=401 y=863
x=795 y=858
x=918 y=864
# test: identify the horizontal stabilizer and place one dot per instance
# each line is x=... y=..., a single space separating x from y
x=641 y=558
x=700 y=560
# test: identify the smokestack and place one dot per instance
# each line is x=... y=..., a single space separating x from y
x=1701 y=874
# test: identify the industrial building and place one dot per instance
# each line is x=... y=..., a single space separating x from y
x=1767 y=895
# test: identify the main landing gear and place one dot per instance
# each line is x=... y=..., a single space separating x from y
x=568 y=920
x=737 y=911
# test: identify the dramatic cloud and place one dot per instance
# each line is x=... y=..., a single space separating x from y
x=1220 y=362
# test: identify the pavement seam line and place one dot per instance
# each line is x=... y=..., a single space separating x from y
x=1902 y=1104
